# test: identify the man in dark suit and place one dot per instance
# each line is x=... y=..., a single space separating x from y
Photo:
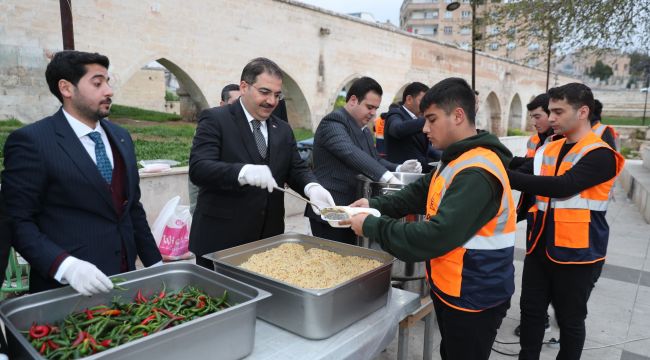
x=403 y=134
x=240 y=153
x=71 y=185
x=343 y=148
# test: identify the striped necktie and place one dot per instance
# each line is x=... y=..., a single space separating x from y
x=259 y=138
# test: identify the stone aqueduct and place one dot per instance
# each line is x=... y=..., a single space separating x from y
x=206 y=43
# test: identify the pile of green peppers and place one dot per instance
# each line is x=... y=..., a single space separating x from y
x=106 y=326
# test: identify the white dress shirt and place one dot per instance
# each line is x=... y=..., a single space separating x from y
x=412 y=115
x=82 y=130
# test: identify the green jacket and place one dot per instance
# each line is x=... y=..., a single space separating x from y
x=472 y=199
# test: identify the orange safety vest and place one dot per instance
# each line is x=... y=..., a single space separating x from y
x=480 y=274
x=531 y=146
x=600 y=128
x=379 y=127
x=577 y=231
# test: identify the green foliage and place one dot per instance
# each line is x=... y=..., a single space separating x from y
x=302 y=134
x=626 y=152
x=171 y=96
x=6 y=127
x=121 y=111
x=600 y=71
x=340 y=102
x=517 y=132
x=619 y=120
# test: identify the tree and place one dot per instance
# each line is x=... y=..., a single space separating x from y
x=572 y=24
x=600 y=71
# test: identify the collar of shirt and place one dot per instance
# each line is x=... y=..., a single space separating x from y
x=80 y=129
x=412 y=115
x=250 y=118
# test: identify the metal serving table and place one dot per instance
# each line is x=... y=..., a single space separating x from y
x=364 y=339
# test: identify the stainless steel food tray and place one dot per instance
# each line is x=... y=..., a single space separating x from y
x=314 y=314
x=228 y=334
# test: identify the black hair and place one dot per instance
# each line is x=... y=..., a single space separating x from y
x=540 y=100
x=576 y=94
x=70 y=65
x=225 y=92
x=362 y=86
x=598 y=111
x=449 y=94
x=259 y=66
x=414 y=89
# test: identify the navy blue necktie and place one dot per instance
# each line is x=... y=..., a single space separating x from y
x=103 y=164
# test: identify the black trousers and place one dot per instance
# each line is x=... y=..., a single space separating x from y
x=324 y=230
x=467 y=335
x=568 y=288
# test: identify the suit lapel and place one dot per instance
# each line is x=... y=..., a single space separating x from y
x=119 y=144
x=245 y=132
x=72 y=146
x=274 y=140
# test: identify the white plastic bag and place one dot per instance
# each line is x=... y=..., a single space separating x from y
x=172 y=230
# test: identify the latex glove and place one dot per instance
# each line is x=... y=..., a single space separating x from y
x=319 y=196
x=85 y=277
x=260 y=176
x=410 y=166
x=395 y=181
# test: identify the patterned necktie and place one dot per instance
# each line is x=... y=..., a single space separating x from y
x=103 y=164
x=259 y=138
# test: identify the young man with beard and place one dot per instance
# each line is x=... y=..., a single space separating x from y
x=71 y=185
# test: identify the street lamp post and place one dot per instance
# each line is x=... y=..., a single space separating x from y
x=455 y=5
x=647 y=89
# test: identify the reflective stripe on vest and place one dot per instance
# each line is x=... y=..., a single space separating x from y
x=379 y=128
x=531 y=146
x=480 y=274
x=575 y=230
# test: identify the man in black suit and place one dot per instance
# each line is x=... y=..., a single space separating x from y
x=403 y=134
x=71 y=185
x=343 y=148
x=229 y=94
x=240 y=153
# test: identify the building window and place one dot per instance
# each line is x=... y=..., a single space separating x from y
x=466 y=14
x=511 y=46
x=465 y=30
x=423 y=1
x=625 y=67
x=425 y=30
x=495 y=30
x=466 y=1
x=512 y=31
x=464 y=45
x=431 y=14
x=449 y=30
x=533 y=47
x=417 y=15
x=494 y=46
x=448 y=14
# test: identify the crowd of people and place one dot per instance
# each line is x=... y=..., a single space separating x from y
x=72 y=207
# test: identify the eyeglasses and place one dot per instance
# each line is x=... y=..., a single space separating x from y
x=267 y=93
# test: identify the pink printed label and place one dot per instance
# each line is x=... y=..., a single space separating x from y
x=175 y=241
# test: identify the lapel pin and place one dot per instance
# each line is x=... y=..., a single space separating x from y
x=274 y=126
x=121 y=140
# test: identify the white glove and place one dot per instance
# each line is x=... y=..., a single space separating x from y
x=395 y=181
x=410 y=166
x=319 y=196
x=159 y=263
x=85 y=277
x=258 y=175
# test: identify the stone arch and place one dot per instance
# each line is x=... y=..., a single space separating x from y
x=398 y=95
x=298 y=111
x=192 y=99
x=492 y=113
x=342 y=89
x=515 y=115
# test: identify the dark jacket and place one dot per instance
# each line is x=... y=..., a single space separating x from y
x=228 y=214
x=61 y=205
x=472 y=199
x=342 y=151
x=404 y=138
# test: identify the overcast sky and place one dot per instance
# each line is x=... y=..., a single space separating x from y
x=381 y=10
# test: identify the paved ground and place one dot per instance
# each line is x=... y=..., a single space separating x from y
x=619 y=308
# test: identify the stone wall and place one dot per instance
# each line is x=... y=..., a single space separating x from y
x=320 y=51
x=145 y=90
x=622 y=102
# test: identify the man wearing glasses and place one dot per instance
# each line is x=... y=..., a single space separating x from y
x=241 y=152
